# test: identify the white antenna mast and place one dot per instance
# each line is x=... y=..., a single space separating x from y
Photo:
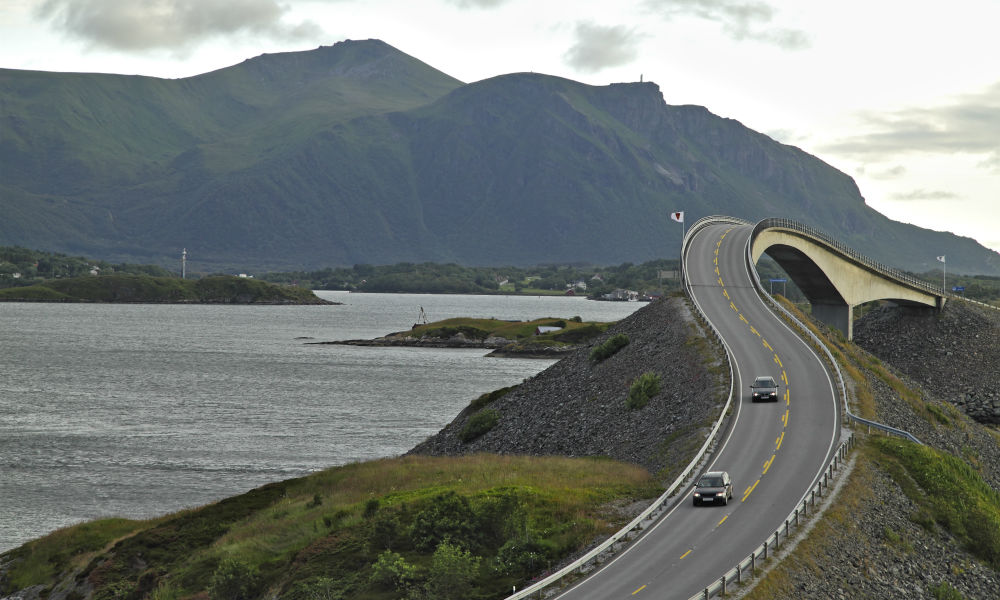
x=184 y=259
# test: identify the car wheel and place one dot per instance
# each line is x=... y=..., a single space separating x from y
x=694 y=501
x=725 y=501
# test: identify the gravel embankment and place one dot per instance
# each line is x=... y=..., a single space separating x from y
x=576 y=407
x=954 y=354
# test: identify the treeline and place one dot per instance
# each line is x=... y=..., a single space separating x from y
x=23 y=267
x=437 y=278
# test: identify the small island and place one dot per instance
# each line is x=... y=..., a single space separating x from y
x=146 y=289
x=541 y=338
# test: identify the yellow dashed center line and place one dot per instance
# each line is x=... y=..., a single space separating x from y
x=784 y=418
x=766 y=345
x=723 y=520
x=784 y=377
x=781 y=438
x=744 y=319
x=767 y=465
x=777 y=361
x=754 y=331
x=750 y=490
x=683 y=556
x=733 y=306
x=642 y=588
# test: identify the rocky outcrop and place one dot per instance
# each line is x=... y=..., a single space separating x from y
x=576 y=407
x=953 y=353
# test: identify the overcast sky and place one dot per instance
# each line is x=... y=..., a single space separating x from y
x=903 y=95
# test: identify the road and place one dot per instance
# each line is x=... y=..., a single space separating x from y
x=773 y=451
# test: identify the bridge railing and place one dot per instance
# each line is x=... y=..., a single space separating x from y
x=816 y=341
x=843 y=248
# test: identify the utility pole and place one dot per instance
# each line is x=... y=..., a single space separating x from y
x=184 y=258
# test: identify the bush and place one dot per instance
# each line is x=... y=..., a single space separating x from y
x=448 y=517
x=452 y=572
x=643 y=388
x=233 y=580
x=610 y=346
x=490 y=397
x=478 y=424
x=392 y=571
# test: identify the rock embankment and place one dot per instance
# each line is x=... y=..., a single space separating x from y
x=953 y=353
x=577 y=407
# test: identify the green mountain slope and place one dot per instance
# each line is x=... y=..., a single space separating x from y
x=358 y=153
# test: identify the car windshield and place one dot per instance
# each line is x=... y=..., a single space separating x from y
x=710 y=482
x=764 y=382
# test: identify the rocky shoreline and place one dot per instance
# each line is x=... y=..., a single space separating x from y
x=501 y=347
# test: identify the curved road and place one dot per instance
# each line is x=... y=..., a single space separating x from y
x=774 y=451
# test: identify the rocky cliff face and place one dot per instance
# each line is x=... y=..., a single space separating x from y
x=576 y=407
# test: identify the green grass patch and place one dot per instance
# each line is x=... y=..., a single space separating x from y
x=478 y=424
x=948 y=492
x=642 y=389
x=514 y=516
x=609 y=347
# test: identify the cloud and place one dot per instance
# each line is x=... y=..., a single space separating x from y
x=968 y=124
x=176 y=25
x=740 y=19
x=923 y=194
x=598 y=47
x=478 y=3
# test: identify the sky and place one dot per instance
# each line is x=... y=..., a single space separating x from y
x=902 y=95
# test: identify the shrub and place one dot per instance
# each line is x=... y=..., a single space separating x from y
x=448 y=517
x=490 y=397
x=391 y=570
x=233 y=580
x=610 y=346
x=478 y=424
x=643 y=388
x=452 y=572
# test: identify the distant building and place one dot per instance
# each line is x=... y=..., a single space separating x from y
x=621 y=295
x=546 y=329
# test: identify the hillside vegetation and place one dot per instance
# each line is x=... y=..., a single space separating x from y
x=143 y=288
x=358 y=153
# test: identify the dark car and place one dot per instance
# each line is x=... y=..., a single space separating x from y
x=714 y=487
x=764 y=388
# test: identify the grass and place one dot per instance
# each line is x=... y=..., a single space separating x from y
x=334 y=524
x=572 y=332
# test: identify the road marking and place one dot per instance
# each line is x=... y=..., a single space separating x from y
x=784 y=418
x=725 y=293
x=778 y=361
x=715 y=260
x=644 y=587
x=723 y=520
x=683 y=556
x=788 y=397
x=749 y=490
x=720 y=282
x=733 y=306
x=781 y=438
x=717 y=270
x=754 y=331
x=767 y=465
x=744 y=319
x=716 y=251
x=784 y=377
x=766 y=345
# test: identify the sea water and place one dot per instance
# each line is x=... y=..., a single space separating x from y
x=140 y=410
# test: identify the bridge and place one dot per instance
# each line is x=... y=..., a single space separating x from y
x=833 y=277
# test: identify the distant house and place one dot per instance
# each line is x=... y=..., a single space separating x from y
x=579 y=284
x=95 y=270
x=546 y=329
x=621 y=295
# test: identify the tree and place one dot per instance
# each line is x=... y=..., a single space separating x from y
x=452 y=571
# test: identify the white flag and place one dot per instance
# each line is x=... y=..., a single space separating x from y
x=940 y=258
x=677 y=216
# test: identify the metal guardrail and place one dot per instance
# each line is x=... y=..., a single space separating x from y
x=640 y=522
x=735 y=574
x=747 y=567
x=870 y=263
x=749 y=563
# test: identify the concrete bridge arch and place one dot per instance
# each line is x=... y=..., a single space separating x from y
x=833 y=277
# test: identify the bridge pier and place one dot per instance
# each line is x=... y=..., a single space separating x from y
x=839 y=316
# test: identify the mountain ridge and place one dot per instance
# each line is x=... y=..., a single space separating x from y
x=360 y=153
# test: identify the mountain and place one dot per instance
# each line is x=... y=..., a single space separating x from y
x=359 y=153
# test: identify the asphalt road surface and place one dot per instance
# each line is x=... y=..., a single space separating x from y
x=773 y=451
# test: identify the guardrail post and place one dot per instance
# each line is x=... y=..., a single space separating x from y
x=753 y=562
x=723 y=590
x=766 y=542
x=777 y=539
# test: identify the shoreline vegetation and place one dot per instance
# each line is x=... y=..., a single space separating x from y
x=147 y=289
x=547 y=337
